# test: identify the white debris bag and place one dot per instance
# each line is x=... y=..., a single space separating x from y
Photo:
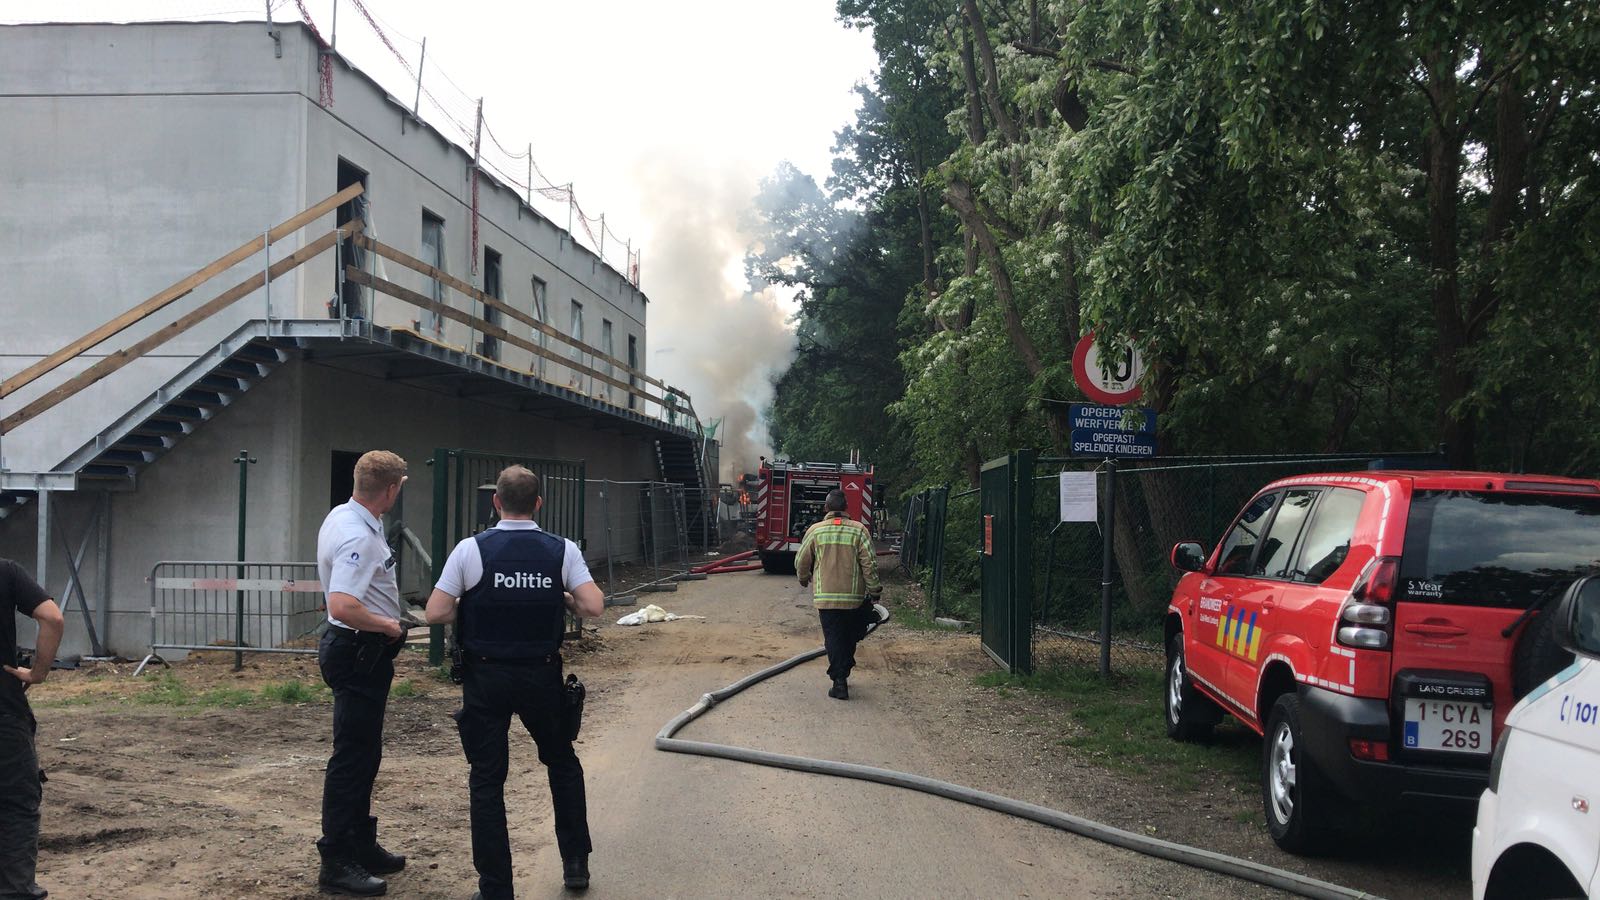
x=652 y=613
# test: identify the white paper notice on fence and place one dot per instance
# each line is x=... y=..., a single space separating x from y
x=1078 y=498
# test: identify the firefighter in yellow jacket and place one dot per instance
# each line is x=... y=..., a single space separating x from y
x=837 y=556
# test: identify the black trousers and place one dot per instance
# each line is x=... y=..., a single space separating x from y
x=20 y=793
x=359 y=668
x=842 y=629
x=490 y=694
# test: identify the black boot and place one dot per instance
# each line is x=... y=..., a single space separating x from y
x=840 y=690
x=342 y=875
x=371 y=855
x=575 y=872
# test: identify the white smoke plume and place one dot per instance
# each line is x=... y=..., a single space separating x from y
x=709 y=333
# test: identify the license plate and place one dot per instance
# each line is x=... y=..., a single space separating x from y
x=1448 y=726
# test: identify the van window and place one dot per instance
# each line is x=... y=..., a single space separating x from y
x=1240 y=544
x=1273 y=561
x=1328 y=537
x=1505 y=550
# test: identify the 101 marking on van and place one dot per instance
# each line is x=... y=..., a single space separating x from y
x=1578 y=712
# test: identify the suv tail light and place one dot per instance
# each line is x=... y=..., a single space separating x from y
x=1367 y=617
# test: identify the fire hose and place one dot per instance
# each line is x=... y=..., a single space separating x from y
x=725 y=561
x=1244 y=869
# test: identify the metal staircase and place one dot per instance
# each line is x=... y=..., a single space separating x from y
x=155 y=425
x=678 y=460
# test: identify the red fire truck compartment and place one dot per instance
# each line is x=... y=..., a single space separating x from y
x=789 y=500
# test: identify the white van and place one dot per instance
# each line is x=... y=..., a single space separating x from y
x=1538 y=830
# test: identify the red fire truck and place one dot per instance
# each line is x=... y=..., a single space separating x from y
x=789 y=500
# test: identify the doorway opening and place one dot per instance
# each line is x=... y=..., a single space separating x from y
x=348 y=302
x=342 y=477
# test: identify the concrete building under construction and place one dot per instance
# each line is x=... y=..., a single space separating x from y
x=406 y=300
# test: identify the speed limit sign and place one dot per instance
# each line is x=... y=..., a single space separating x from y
x=1108 y=374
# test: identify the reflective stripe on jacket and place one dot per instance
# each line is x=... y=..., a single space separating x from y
x=837 y=557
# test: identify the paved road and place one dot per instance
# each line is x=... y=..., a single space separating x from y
x=668 y=825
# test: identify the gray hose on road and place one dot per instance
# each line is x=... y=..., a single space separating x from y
x=1138 y=843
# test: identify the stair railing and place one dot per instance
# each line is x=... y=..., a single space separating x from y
x=670 y=398
x=116 y=360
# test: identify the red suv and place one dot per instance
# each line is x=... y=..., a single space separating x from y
x=1375 y=628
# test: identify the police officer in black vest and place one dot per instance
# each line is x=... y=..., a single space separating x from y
x=515 y=583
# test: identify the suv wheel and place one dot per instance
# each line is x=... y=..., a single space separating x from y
x=1190 y=716
x=1292 y=787
x=1538 y=655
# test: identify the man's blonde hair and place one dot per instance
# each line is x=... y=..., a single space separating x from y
x=518 y=490
x=377 y=471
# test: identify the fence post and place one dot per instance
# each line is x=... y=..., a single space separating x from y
x=681 y=513
x=441 y=527
x=935 y=528
x=605 y=510
x=1020 y=561
x=244 y=460
x=652 y=538
x=1107 y=557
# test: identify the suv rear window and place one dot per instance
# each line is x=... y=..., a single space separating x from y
x=1505 y=550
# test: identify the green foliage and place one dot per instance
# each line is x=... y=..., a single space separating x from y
x=1118 y=723
x=294 y=691
x=166 y=689
x=405 y=690
x=1333 y=227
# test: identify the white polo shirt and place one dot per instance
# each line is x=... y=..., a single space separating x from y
x=464 y=569
x=354 y=559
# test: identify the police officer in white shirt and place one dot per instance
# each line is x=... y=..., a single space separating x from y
x=515 y=583
x=357 y=659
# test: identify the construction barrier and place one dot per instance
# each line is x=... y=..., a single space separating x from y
x=243 y=607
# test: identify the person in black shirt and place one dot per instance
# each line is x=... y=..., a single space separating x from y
x=20 y=778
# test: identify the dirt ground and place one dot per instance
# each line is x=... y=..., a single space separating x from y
x=214 y=791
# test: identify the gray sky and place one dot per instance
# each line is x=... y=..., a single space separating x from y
x=662 y=115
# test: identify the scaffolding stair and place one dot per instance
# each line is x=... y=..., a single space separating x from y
x=678 y=461
x=213 y=382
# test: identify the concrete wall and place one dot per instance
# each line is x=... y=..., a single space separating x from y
x=130 y=157
x=185 y=508
x=186 y=504
x=411 y=169
x=133 y=155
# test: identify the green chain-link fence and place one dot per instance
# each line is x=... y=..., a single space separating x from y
x=1158 y=504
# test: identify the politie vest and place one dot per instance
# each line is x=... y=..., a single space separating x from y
x=516 y=610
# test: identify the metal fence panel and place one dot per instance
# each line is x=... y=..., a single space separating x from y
x=463 y=483
x=1006 y=567
x=648 y=535
x=246 y=607
x=1041 y=584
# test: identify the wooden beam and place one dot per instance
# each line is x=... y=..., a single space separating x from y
x=423 y=301
x=175 y=292
x=417 y=265
x=183 y=323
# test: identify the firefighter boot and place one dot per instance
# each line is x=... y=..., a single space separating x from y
x=575 y=872
x=840 y=690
